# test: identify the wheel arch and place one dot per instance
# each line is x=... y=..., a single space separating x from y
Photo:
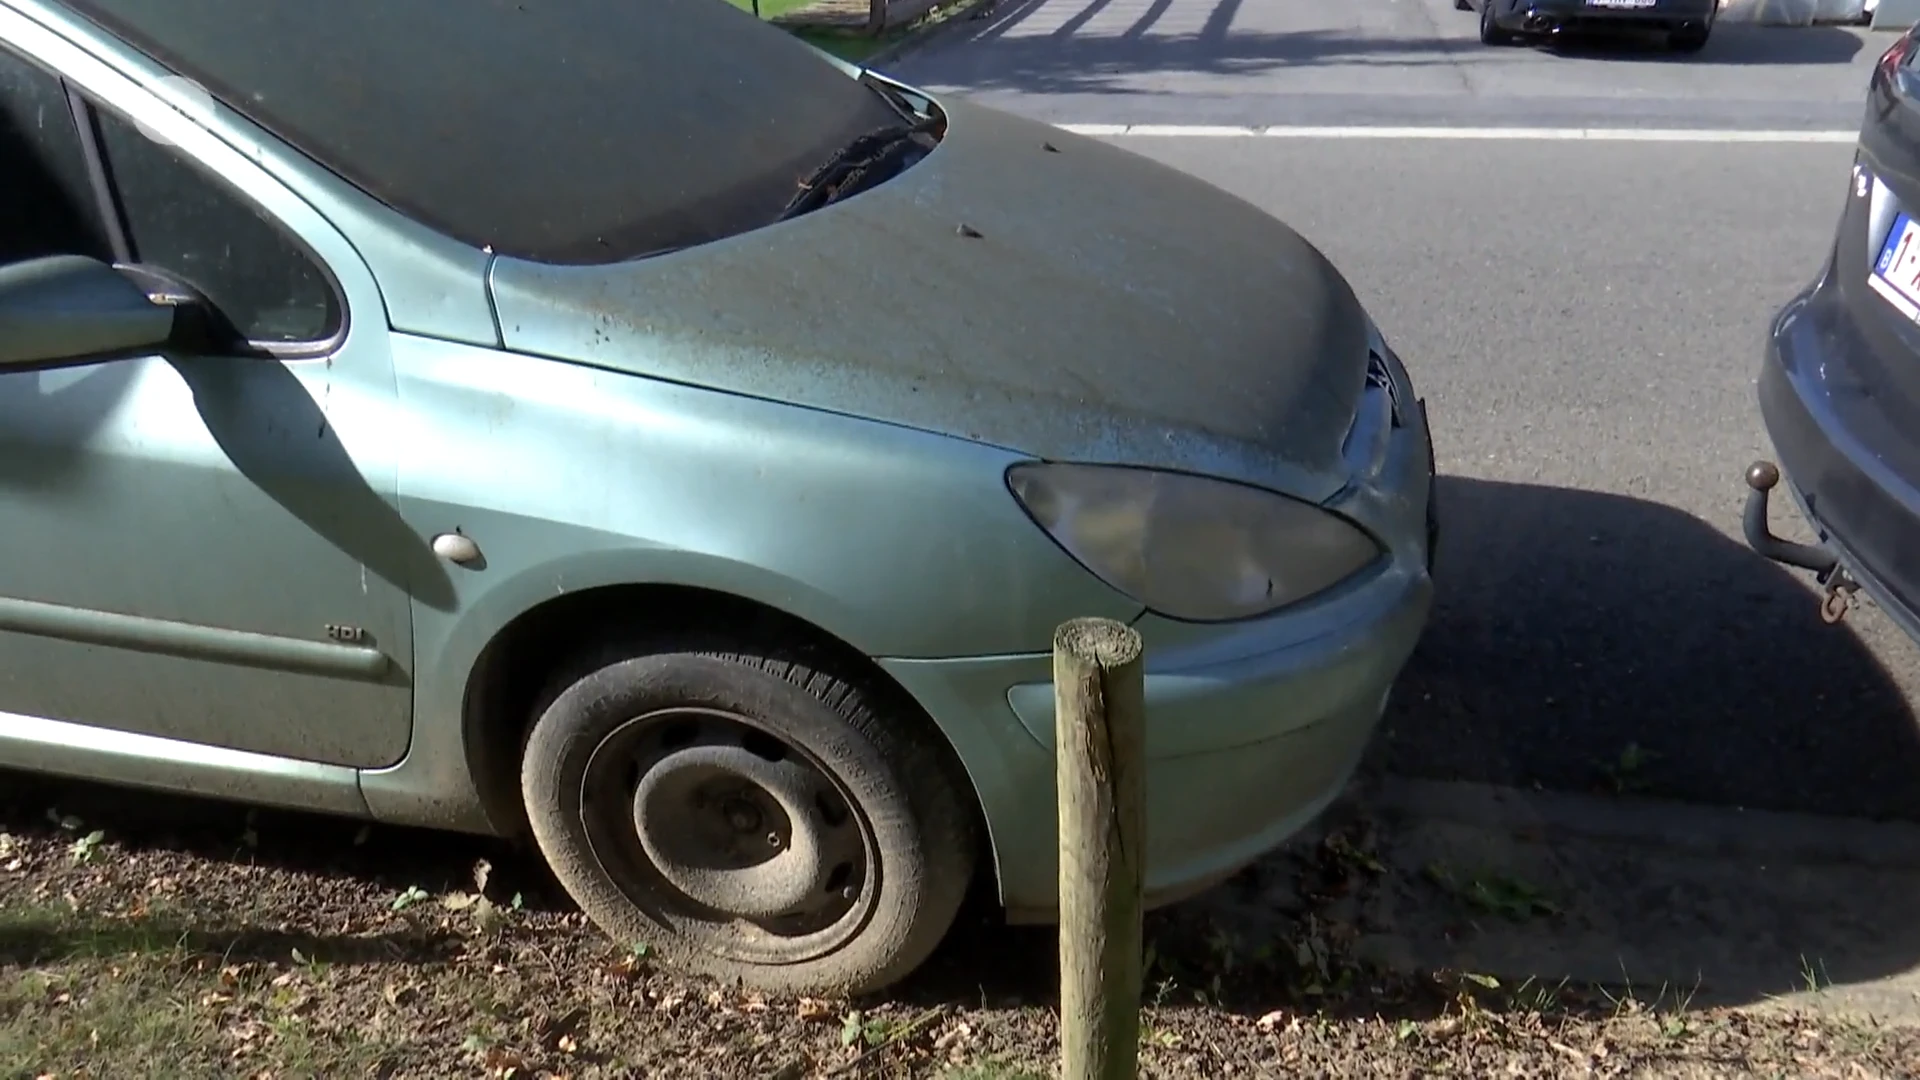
x=506 y=679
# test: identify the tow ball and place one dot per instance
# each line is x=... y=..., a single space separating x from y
x=1838 y=599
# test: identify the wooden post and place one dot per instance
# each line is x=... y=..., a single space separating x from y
x=1099 y=703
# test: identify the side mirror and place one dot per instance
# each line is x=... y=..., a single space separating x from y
x=72 y=309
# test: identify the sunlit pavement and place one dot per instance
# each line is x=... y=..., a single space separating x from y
x=1376 y=62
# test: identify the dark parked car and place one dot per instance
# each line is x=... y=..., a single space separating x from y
x=1687 y=23
x=1840 y=386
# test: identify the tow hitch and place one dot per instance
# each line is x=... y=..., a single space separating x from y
x=1762 y=478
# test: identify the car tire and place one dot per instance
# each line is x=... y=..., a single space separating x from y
x=1688 y=42
x=1490 y=32
x=750 y=816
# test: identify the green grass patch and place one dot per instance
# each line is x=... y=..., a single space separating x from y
x=109 y=1020
x=850 y=45
x=853 y=48
x=772 y=9
x=85 y=995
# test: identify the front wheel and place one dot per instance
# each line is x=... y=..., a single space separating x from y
x=1490 y=31
x=752 y=818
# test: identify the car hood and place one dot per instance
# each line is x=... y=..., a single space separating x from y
x=1021 y=286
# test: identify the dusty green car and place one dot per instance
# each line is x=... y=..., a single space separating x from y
x=617 y=422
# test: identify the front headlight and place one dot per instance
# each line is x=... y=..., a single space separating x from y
x=1189 y=547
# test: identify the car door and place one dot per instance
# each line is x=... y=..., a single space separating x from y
x=201 y=547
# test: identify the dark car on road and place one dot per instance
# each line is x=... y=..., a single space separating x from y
x=1687 y=23
x=1840 y=385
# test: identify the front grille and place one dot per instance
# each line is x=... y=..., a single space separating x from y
x=1378 y=376
x=1375 y=417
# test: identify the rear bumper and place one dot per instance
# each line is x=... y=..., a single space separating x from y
x=1575 y=15
x=1831 y=440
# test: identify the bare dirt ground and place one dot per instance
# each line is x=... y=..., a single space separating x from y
x=148 y=936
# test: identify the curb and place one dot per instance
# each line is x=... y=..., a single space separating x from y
x=935 y=23
x=1709 y=831
x=1794 y=12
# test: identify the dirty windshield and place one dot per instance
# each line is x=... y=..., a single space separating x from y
x=566 y=131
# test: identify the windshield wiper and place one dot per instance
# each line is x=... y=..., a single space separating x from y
x=865 y=161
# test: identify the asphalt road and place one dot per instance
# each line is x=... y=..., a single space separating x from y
x=1587 y=344
x=1378 y=62
x=1585 y=319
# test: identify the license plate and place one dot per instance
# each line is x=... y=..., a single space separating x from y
x=1621 y=3
x=1896 y=273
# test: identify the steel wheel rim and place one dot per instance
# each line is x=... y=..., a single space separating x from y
x=729 y=836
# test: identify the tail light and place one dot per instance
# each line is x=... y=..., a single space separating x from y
x=1896 y=54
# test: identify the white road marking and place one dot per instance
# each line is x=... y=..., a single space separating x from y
x=1686 y=135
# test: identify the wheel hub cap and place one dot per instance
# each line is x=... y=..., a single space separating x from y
x=734 y=831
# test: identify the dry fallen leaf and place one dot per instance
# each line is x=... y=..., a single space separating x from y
x=1269 y=1021
x=1567 y=1050
x=503 y=1060
x=482 y=871
x=486 y=916
x=954 y=1039
x=814 y=1009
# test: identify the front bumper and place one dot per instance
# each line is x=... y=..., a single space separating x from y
x=1835 y=447
x=1243 y=752
x=1253 y=727
x=1249 y=736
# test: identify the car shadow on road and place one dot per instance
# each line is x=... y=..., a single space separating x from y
x=1553 y=796
x=1595 y=642
x=1733 y=45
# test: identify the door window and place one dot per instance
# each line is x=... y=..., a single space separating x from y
x=182 y=220
x=176 y=216
x=47 y=204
